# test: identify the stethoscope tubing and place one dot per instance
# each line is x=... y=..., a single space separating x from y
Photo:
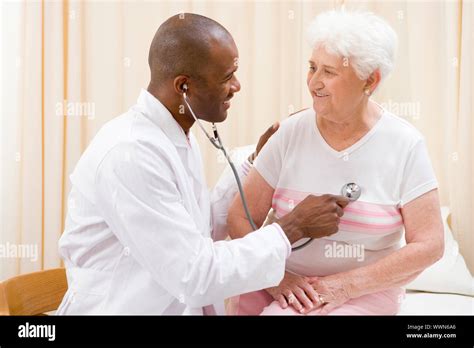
x=350 y=190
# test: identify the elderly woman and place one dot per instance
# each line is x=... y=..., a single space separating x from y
x=346 y=138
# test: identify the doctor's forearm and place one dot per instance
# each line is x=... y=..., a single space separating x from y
x=232 y=267
x=394 y=270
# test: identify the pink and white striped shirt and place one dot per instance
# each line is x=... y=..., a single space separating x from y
x=391 y=165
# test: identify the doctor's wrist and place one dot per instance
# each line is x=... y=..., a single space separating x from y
x=291 y=229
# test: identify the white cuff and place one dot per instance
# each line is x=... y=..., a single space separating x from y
x=285 y=238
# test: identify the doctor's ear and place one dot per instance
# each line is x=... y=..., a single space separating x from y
x=180 y=84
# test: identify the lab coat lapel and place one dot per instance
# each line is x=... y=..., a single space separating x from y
x=191 y=168
x=203 y=199
x=183 y=156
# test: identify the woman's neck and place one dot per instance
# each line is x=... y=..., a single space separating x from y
x=341 y=135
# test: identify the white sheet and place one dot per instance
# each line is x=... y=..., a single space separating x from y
x=424 y=303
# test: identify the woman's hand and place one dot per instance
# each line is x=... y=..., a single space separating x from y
x=333 y=291
x=295 y=290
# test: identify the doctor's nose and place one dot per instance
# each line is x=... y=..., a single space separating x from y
x=235 y=87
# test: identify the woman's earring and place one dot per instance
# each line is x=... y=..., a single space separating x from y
x=367 y=92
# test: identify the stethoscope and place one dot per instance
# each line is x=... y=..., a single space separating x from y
x=350 y=190
x=216 y=141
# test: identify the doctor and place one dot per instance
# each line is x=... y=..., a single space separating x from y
x=141 y=227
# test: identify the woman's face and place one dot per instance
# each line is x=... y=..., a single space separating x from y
x=336 y=90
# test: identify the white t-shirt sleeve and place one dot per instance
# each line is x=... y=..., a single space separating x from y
x=418 y=175
x=269 y=161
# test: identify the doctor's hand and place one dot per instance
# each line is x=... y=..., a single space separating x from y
x=296 y=291
x=314 y=217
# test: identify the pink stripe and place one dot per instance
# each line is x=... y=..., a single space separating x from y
x=362 y=208
x=374 y=207
x=283 y=192
x=373 y=231
x=353 y=226
x=284 y=198
x=369 y=226
x=350 y=209
x=280 y=210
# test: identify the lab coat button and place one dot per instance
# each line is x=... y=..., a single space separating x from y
x=181 y=298
x=126 y=251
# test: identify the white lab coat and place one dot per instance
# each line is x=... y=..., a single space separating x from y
x=138 y=230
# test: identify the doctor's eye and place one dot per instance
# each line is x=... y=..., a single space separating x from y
x=229 y=77
x=312 y=68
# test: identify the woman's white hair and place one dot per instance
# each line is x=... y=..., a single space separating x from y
x=362 y=37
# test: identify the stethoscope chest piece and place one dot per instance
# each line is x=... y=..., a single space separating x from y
x=351 y=191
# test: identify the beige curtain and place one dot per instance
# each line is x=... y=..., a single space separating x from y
x=68 y=67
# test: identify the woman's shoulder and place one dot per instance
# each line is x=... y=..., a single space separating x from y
x=398 y=128
x=298 y=119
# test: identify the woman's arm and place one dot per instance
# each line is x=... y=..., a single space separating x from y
x=425 y=245
x=258 y=194
x=293 y=290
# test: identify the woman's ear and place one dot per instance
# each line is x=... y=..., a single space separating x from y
x=373 y=81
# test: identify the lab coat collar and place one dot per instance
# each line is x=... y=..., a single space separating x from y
x=161 y=116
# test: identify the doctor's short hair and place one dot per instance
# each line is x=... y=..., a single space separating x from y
x=183 y=44
x=366 y=40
